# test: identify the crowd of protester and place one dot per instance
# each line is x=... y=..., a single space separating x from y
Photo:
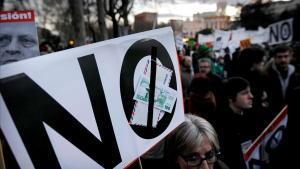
x=257 y=83
x=229 y=101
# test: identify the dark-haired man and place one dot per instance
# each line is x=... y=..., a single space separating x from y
x=279 y=79
x=232 y=124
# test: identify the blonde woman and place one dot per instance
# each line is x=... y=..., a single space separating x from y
x=193 y=145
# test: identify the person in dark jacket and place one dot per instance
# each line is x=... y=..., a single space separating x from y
x=203 y=100
x=232 y=124
x=205 y=70
x=282 y=157
x=279 y=79
x=250 y=67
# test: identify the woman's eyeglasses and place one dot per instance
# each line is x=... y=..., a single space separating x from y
x=195 y=159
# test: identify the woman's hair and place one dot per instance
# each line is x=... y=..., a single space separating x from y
x=189 y=136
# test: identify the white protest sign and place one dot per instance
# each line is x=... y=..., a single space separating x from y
x=258 y=153
x=235 y=38
x=18 y=36
x=259 y=36
x=218 y=40
x=281 y=32
x=203 y=39
x=179 y=42
x=71 y=109
x=221 y=39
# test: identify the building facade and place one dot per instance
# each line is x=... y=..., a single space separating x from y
x=207 y=20
x=145 y=21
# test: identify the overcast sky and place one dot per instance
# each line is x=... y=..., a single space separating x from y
x=232 y=2
x=182 y=9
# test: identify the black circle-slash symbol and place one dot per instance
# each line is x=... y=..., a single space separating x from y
x=134 y=54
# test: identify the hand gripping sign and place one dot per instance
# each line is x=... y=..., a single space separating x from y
x=72 y=109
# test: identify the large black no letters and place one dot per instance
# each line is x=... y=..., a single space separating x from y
x=135 y=53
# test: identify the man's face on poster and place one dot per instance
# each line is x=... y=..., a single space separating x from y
x=18 y=41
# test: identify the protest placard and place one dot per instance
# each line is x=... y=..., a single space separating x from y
x=281 y=32
x=18 y=36
x=72 y=109
x=245 y=43
x=257 y=154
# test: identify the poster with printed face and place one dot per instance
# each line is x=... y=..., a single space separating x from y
x=93 y=106
x=18 y=36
